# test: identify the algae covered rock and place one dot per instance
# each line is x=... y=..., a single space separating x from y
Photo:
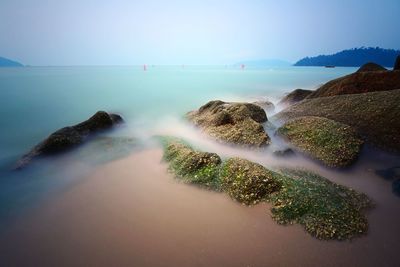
x=327 y=210
x=191 y=166
x=69 y=137
x=246 y=181
x=374 y=115
x=371 y=66
x=235 y=123
x=333 y=143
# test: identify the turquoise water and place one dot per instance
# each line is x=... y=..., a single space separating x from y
x=36 y=101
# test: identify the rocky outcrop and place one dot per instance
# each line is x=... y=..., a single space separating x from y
x=370 y=66
x=375 y=116
x=333 y=143
x=234 y=123
x=325 y=209
x=295 y=96
x=369 y=78
x=70 y=137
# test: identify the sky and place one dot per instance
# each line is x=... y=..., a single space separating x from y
x=123 y=32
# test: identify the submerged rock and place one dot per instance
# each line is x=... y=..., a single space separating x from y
x=333 y=143
x=235 y=123
x=70 y=137
x=246 y=181
x=389 y=174
x=396 y=187
x=283 y=152
x=374 y=115
x=295 y=96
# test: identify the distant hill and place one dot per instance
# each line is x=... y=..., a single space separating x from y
x=265 y=63
x=353 y=58
x=4 y=62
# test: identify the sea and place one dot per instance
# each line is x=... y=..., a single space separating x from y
x=112 y=201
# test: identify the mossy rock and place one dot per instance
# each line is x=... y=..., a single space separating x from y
x=374 y=115
x=191 y=166
x=327 y=210
x=246 y=181
x=334 y=144
x=234 y=123
x=295 y=96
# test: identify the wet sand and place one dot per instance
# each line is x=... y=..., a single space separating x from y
x=131 y=212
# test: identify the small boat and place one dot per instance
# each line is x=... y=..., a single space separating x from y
x=329 y=66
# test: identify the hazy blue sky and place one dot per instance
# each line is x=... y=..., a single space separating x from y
x=68 y=32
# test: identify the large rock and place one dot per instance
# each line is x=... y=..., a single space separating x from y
x=70 y=137
x=333 y=143
x=373 y=115
x=295 y=96
x=369 y=78
x=235 y=123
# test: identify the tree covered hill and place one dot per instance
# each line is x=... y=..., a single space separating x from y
x=353 y=58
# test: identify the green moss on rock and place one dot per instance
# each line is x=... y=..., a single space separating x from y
x=201 y=168
x=333 y=143
x=246 y=181
x=235 y=123
x=327 y=210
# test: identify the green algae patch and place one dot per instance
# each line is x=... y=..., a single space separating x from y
x=246 y=181
x=326 y=210
x=333 y=143
x=191 y=166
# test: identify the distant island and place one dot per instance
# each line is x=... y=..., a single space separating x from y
x=353 y=58
x=5 y=62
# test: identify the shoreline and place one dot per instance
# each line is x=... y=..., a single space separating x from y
x=132 y=212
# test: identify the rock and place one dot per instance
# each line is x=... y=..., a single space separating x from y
x=70 y=137
x=191 y=166
x=396 y=187
x=246 y=181
x=370 y=66
x=397 y=63
x=283 y=152
x=369 y=78
x=374 y=115
x=334 y=144
x=389 y=174
x=295 y=96
x=325 y=209
x=235 y=123
x=268 y=106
